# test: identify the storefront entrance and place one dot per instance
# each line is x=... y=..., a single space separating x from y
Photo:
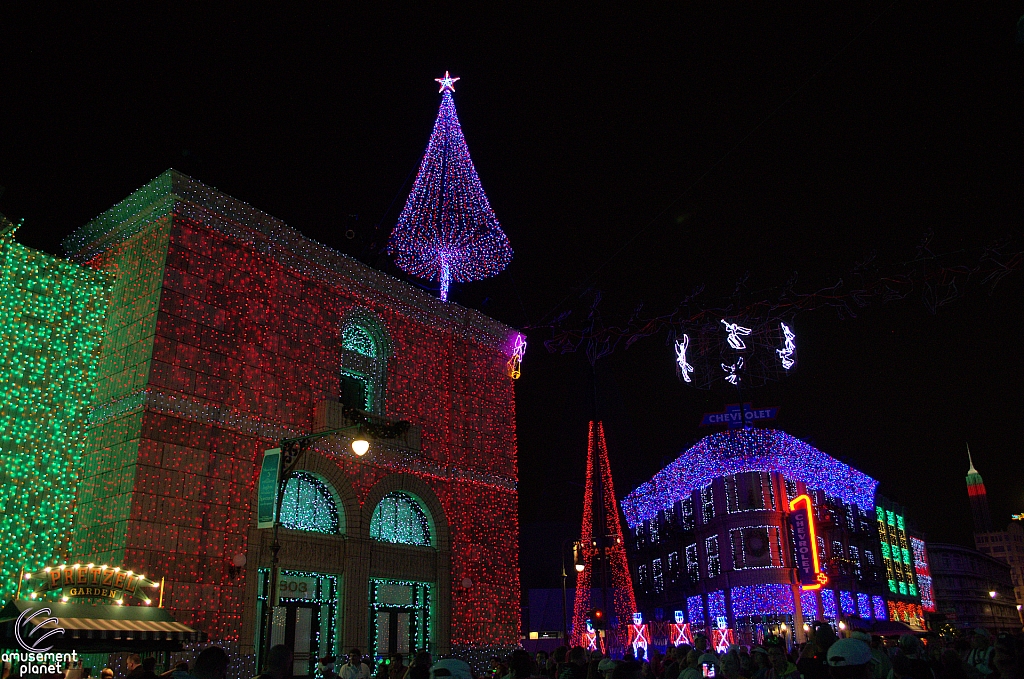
x=400 y=617
x=306 y=619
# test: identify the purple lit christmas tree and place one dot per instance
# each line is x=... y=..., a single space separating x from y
x=447 y=230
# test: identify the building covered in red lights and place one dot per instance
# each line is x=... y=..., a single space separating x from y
x=228 y=331
x=753 y=532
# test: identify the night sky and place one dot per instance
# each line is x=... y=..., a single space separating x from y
x=635 y=154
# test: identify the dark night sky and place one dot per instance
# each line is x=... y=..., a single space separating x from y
x=752 y=137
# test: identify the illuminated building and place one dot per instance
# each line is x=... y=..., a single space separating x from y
x=1005 y=545
x=228 y=331
x=716 y=539
x=51 y=326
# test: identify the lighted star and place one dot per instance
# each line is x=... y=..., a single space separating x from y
x=447 y=83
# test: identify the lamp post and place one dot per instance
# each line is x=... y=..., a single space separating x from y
x=992 y=609
x=1019 y=615
x=577 y=560
x=292 y=450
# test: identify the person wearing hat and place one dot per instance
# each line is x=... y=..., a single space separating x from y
x=327 y=667
x=881 y=658
x=606 y=667
x=850 y=659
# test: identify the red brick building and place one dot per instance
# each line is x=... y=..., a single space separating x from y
x=228 y=330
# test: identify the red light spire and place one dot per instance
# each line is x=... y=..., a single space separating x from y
x=608 y=537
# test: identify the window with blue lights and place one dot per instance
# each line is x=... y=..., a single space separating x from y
x=400 y=519
x=673 y=566
x=308 y=504
x=659 y=576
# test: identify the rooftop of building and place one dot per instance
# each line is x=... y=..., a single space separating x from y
x=746 y=450
x=175 y=192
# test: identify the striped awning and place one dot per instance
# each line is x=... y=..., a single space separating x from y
x=101 y=625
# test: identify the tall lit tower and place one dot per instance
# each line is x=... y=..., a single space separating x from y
x=603 y=546
x=979 y=500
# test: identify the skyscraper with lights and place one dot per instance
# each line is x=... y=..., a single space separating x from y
x=1005 y=545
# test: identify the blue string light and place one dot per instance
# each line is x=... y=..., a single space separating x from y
x=695 y=610
x=863 y=605
x=447 y=231
x=828 y=603
x=768 y=599
x=716 y=605
x=846 y=599
x=746 y=450
x=879 y=605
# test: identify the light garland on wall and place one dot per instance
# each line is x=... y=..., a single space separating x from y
x=746 y=450
x=766 y=599
x=51 y=314
x=222 y=313
x=695 y=610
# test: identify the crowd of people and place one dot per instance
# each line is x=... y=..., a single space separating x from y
x=824 y=656
x=976 y=655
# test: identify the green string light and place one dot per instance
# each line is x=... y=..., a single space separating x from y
x=51 y=324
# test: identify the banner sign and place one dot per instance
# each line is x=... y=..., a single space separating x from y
x=77 y=581
x=267 y=486
x=801 y=520
x=738 y=417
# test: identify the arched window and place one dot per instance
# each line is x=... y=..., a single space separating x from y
x=364 y=354
x=308 y=504
x=400 y=519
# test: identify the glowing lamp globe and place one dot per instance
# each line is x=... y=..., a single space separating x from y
x=580 y=568
x=360 y=446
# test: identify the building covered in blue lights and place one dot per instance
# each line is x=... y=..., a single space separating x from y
x=713 y=541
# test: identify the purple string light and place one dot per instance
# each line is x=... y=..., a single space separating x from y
x=768 y=599
x=745 y=450
x=447 y=231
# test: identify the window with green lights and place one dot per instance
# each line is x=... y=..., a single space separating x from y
x=308 y=504
x=364 y=353
x=399 y=518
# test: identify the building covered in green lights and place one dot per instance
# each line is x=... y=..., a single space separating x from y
x=52 y=315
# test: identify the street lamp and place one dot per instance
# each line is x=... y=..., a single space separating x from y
x=292 y=450
x=992 y=609
x=1019 y=615
x=578 y=562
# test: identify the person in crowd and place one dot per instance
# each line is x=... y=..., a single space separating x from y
x=592 y=665
x=420 y=667
x=627 y=670
x=134 y=665
x=212 y=663
x=558 y=659
x=759 y=656
x=812 y=663
x=691 y=666
x=700 y=643
x=148 y=667
x=746 y=662
x=576 y=665
x=396 y=666
x=849 y=659
x=541 y=658
x=780 y=666
x=670 y=670
x=451 y=668
x=882 y=665
x=326 y=667
x=179 y=671
x=1009 y=655
x=355 y=668
x=916 y=666
x=520 y=665
x=606 y=667
x=279 y=663
x=107 y=673
x=980 y=659
x=731 y=667
x=951 y=665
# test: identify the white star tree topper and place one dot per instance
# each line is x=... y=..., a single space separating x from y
x=447 y=83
